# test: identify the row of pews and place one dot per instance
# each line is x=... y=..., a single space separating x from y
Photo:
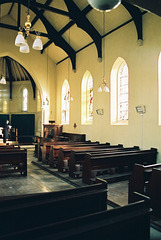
x=87 y=160
x=79 y=213
x=110 y=162
x=12 y=159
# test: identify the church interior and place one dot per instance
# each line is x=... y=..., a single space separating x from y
x=80 y=84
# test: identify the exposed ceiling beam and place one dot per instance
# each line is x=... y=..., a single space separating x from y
x=47 y=44
x=82 y=22
x=11 y=8
x=153 y=6
x=68 y=25
x=48 y=8
x=136 y=15
x=42 y=11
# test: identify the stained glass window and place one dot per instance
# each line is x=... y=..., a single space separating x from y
x=87 y=99
x=119 y=92
x=25 y=99
x=123 y=92
x=65 y=103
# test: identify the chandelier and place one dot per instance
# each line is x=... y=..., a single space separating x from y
x=21 y=41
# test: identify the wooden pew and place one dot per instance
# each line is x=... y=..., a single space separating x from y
x=153 y=190
x=129 y=222
x=44 y=150
x=99 y=163
x=64 y=151
x=147 y=180
x=23 y=212
x=78 y=156
x=13 y=160
x=55 y=149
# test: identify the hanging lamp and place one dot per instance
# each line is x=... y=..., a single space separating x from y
x=20 y=39
x=103 y=86
x=104 y=5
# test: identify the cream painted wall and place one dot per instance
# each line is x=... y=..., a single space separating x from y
x=143 y=86
x=36 y=64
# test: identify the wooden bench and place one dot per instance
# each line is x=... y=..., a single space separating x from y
x=147 y=180
x=129 y=222
x=55 y=149
x=64 y=152
x=93 y=164
x=31 y=211
x=77 y=156
x=13 y=160
x=46 y=148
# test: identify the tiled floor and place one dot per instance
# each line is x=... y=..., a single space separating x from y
x=36 y=181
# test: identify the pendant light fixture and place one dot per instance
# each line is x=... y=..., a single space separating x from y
x=103 y=86
x=21 y=40
x=104 y=5
x=68 y=96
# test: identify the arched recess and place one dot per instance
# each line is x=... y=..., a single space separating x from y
x=119 y=92
x=14 y=71
x=65 y=102
x=159 y=87
x=37 y=89
x=87 y=99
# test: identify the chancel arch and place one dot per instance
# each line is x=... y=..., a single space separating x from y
x=20 y=94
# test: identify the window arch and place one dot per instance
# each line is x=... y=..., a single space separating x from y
x=65 y=108
x=119 y=92
x=159 y=86
x=24 y=99
x=87 y=99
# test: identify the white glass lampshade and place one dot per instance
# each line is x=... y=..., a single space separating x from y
x=25 y=48
x=19 y=41
x=104 y=5
x=37 y=45
x=99 y=89
x=3 y=80
x=106 y=89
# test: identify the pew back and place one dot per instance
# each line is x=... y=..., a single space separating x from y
x=78 y=156
x=117 y=160
x=15 y=159
x=127 y=222
x=40 y=209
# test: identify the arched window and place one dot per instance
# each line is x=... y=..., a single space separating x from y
x=87 y=99
x=24 y=99
x=65 y=103
x=159 y=86
x=119 y=92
